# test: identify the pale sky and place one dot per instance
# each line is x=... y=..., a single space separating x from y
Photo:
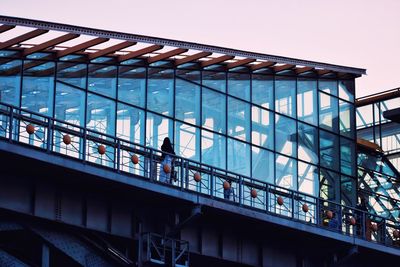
x=356 y=33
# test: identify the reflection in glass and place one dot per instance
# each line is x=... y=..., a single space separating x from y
x=238 y=119
x=285 y=96
x=346 y=119
x=328 y=86
x=238 y=157
x=70 y=104
x=239 y=85
x=285 y=135
x=308 y=143
x=329 y=185
x=130 y=123
x=262 y=164
x=132 y=85
x=262 y=127
x=329 y=150
x=308 y=178
x=187 y=141
x=307 y=101
x=38 y=87
x=263 y=90
x=160 y=91
x=10 y=81
x=214 y=80
x=328 y=112
x=346 y=90
x=213 y=110
x=187 y=101
x=347 y=156
x=100 y=114
x=102 y=79
x=157 y=128
x=213 y=149
x=72 y=73
x=286 y=172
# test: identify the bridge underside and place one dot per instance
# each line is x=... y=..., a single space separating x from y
x=66 y=216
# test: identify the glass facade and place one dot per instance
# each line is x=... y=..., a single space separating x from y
x=286 y=129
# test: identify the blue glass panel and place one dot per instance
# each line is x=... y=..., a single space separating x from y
x=102 y=79
x=307 y=143
x=285 y=172
x=72 y=73
x=70 y=104
x=285 y=135
x=8 y=53
x=262 y=127
x=308 y=178
x=187 y=101
x=160 y=91
x=213 y=149
x=10 y=81
x=262 y=163
x=328 y=86
x=329 y=150
x=328 y=112
x=238 y=157
x=130 y=124
x=38 y=87
x=132 y=85
x=238 y=119
x=347 y=156
x=364 y=116
x=187 y=141
x=100 y=114
x=213 y=110
x=214 y=80
x=346 y=90
x=239 y=85
x=346 y=119
x=285 y=96
x=157 y=128
x=263 y=91
x=307 y=101
x=329 y=185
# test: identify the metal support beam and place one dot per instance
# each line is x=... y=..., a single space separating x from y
x=216 y=60
x=81 y=46
x=45 y=255
x=192 y=58
x=111 y=49
x=140 y=52
x=166 y=55
x=50 y=43
x=22 y=38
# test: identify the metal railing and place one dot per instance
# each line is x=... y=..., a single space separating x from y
x=62 y=138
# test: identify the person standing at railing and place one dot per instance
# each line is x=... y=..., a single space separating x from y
x=167 y=161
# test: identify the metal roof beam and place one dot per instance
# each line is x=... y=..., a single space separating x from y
x=50 y=43
x=21 y=38
x=4 y=28
x=192 y=58
x=262 y=65
x=216 y=60
x=111 y=49
x=323 y=72
x=240 y=63
x=166 y=55
x=140 y=52
x=303 y=70
x=284 y=67
x=81 y=46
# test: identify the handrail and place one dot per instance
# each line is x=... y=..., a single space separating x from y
x=192 y=176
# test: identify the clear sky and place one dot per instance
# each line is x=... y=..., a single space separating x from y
x=357 y=33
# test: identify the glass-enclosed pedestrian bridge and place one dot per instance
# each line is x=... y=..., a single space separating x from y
x=62 y=139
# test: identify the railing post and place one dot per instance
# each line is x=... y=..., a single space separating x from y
x=240 y=190
x=187 y=174
x=118 y=155
x=84 y=141
x=182 y=173
x=173 y=252
x=11 y=124
x=151 y=167
x=267 y=197
x=49 y=135
x=292 y=196
x=363 y=225
x=212 y=180
x=318 y=211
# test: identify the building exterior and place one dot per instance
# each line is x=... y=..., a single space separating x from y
x=265 y=153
